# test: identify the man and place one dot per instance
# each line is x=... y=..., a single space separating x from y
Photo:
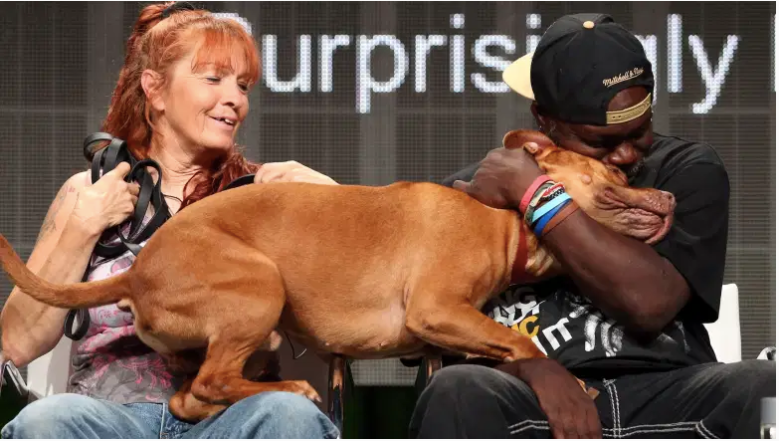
x=628 y=317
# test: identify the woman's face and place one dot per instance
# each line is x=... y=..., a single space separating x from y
x=203 y=107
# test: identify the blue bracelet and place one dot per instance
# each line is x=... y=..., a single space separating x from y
x=548 y=207
x=539 y=227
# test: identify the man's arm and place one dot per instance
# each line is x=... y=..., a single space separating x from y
x=642 y=288
x=631 y=283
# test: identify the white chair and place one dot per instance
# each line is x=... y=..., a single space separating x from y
x=48 y=375
x=725 y=333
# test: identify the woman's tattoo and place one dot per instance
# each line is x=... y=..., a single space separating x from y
x=48 y=223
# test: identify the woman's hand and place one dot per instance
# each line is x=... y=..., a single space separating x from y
x=290 y=171
x=107 y=202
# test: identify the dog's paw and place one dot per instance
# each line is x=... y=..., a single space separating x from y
x=302 y=387
x=591 y=391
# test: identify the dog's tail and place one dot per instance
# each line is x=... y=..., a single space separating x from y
x=73 y=296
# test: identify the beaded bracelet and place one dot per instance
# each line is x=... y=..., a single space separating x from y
x=537 y=200
x=549 y=206
x=531 y=191
x=543 y=201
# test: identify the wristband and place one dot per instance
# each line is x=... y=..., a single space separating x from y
x=544 y=220
x=561 y=215
x=544 y=209
x=538 y=196
x=531 y=191
x=552 y=191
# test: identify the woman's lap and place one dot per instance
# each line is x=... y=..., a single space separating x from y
x=266 y=415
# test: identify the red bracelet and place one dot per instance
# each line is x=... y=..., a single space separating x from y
x=531 y=191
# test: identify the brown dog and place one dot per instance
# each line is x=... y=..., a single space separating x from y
x=365 y=272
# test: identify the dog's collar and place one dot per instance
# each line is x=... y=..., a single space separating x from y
x=518 y=273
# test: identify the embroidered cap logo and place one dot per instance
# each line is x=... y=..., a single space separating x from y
x=629 y=75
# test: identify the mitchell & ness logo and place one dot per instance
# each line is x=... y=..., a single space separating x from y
x=629 y=75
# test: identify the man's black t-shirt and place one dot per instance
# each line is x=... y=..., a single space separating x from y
x=566 y=326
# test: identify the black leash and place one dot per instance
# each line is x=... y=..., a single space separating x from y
x=103 y=161
x=107 y=159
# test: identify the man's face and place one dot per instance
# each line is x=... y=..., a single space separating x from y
x=622 y=145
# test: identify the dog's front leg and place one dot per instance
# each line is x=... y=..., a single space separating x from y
x=461 y=327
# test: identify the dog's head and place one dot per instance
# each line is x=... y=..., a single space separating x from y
x=601 y=190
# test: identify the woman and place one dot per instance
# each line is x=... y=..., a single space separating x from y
x=182 y=94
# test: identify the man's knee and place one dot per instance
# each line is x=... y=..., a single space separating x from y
x=284 y=415
x=467 y=401
x=474 y=380
x=751 y=380
x=470 y=385
x=49 y=417
x=740 y=384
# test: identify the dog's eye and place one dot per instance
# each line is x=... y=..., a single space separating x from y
x=616 y=170
x=617 y=173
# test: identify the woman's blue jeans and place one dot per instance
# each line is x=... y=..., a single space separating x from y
x=265 y=415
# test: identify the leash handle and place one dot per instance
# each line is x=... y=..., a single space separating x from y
x=105 y=160
x=153 y=194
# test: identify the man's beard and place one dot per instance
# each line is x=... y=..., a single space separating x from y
x=633 y=170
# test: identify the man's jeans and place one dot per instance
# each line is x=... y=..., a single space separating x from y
x=705 y=401
x=265 y=415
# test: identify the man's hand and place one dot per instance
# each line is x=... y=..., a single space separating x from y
x=571 y=411
x=290 y=171
x=502 y=178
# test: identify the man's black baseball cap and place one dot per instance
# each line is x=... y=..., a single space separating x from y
x=581 y=62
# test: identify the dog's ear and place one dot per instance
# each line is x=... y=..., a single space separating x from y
x=517 y=139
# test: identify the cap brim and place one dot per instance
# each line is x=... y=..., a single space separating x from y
x=517 y=76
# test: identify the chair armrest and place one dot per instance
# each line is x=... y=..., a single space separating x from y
x=14 y=393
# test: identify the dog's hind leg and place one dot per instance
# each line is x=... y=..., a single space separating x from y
x=220 y=380
x=188 y=408
x=245 y=320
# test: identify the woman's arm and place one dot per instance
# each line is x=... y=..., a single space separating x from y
x=29 y=327
x=79 y=214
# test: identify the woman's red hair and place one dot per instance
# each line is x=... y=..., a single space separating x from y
x=157 y=43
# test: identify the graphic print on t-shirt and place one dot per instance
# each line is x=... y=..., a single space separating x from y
x=563 y=323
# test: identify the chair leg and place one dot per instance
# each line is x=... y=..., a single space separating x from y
x=432 y=364
x=427 y=368
x=336 y=392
